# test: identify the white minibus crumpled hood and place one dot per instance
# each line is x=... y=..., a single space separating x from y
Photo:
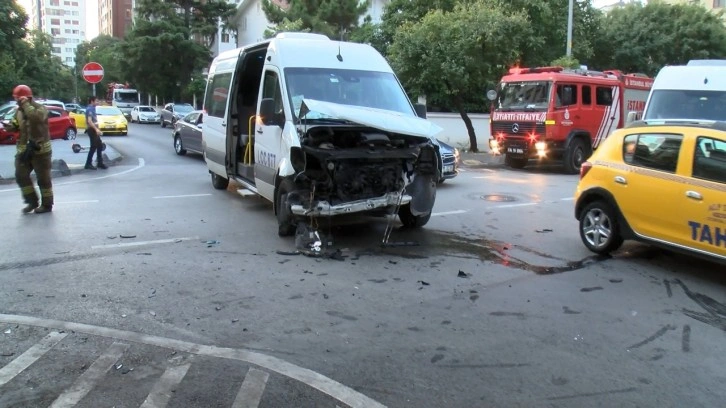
x=381 y=119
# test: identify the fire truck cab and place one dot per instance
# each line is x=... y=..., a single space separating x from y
x=553 y=113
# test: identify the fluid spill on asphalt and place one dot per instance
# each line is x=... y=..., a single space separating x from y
x=433 y=243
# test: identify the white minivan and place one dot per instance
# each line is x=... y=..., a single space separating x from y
x=696 y=91
x=320 y=128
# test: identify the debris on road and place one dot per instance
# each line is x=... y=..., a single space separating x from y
x=7 y=354
x=212 y=242
x=127 y=236
x=153 y=313
x=591 y=289
x=463 y=274
x=543 y=230
x=424 y=283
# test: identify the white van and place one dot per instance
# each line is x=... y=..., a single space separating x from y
x=696 y=91
x=320 y=128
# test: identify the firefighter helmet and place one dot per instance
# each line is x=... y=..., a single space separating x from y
x=22 y=90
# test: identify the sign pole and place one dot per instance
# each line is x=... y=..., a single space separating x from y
x=94 y=90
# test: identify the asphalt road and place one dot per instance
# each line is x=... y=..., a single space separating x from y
x=147 y=287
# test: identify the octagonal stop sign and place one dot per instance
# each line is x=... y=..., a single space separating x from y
x=92 y=72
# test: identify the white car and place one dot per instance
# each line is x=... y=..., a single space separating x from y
x=51 y=102
x=145 y=114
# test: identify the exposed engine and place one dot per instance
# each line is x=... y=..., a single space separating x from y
x=344 y=163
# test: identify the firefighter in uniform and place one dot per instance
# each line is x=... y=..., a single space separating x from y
x=33 y=151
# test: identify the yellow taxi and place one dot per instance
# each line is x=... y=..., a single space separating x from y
x=111 y=120
x=80 y=117
x=660 y=182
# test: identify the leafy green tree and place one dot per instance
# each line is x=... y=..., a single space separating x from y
x=12 y=32
x=566 y=62
x=160 y=59
x=334 y=18
x=452 y=56
x=396 y=14
x=286 y=25
x=194 y=18
x=170 y=43
x=639 y=38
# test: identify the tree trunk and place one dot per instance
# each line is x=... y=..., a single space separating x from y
x=469 y=126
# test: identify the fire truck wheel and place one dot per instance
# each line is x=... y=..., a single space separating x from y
x=515 y=163
x=576 y=154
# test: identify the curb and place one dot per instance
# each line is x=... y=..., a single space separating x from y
x=59 y=168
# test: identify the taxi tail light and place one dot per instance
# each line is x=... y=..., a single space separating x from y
x=586 y=166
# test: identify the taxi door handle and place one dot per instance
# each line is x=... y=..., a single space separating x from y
x=620 y=180
x=259 y=130
x=694 y=195
x=224 y=124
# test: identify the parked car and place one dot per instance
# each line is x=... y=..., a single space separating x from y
x=663 y=183
x=111 y=120
x=188 y=133
x=52 y=102
x=449 y=161
x=173 y=112
x=70 y=107
x=145 y=114
x=60 y=125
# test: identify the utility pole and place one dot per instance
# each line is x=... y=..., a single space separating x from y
x=569 y=28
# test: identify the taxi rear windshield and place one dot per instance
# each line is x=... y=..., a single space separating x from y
x=523 y=96
x=687 y=104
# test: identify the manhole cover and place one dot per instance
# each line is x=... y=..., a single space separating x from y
x=500 y=198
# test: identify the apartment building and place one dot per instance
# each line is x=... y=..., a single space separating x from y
x=115 y=17
x=65 y=21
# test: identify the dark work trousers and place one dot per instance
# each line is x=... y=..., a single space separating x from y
x=41 y=163
x=95 y=147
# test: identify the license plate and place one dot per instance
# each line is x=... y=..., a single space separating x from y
x=108 y=127
x=449 y=168
x=515 y=150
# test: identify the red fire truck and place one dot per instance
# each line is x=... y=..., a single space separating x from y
x=553 y=113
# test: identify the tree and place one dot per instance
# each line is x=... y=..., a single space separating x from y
x=639 y=38
x=399 y=12
x=170 y=43
x=334 y=18
x=200 y=18
x=159 y=59
x=12 y=32
x=453 y=56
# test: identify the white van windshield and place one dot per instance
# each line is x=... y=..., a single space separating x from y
x=380 y=90
x=686 y=104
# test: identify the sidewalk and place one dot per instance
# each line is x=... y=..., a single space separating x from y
x=65 y=162
x=480 y=160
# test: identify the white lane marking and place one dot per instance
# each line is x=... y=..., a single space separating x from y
x=250 y=393
x=76 y=202
x=85 y=383
x=142 y=163
x=162 y=391
x=183 y=196
x=334 y=389
x=504 y=179
x=24 y=360
x=515 y=205
x=567 y=199
x=438 y=214
x=142 y=243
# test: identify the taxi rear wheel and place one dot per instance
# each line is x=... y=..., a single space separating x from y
x=599 y=228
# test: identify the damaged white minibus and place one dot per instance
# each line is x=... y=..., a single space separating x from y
x=320 y=128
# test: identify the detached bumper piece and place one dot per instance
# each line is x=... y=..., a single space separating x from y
x=323 y=208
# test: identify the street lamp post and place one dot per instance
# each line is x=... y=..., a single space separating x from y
x=569 y=28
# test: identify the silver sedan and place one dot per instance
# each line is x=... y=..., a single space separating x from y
x=188 y=133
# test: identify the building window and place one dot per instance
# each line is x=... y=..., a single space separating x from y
x=74 y=4
x=56 y=50
x=54 y=2
x=243 y=26
x=719 y=3
x=69 y=59
x=54 y=21
x=55 y=31
x=67 y=21
x=225 y=37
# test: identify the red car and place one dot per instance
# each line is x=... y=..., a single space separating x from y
x=60 y=124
